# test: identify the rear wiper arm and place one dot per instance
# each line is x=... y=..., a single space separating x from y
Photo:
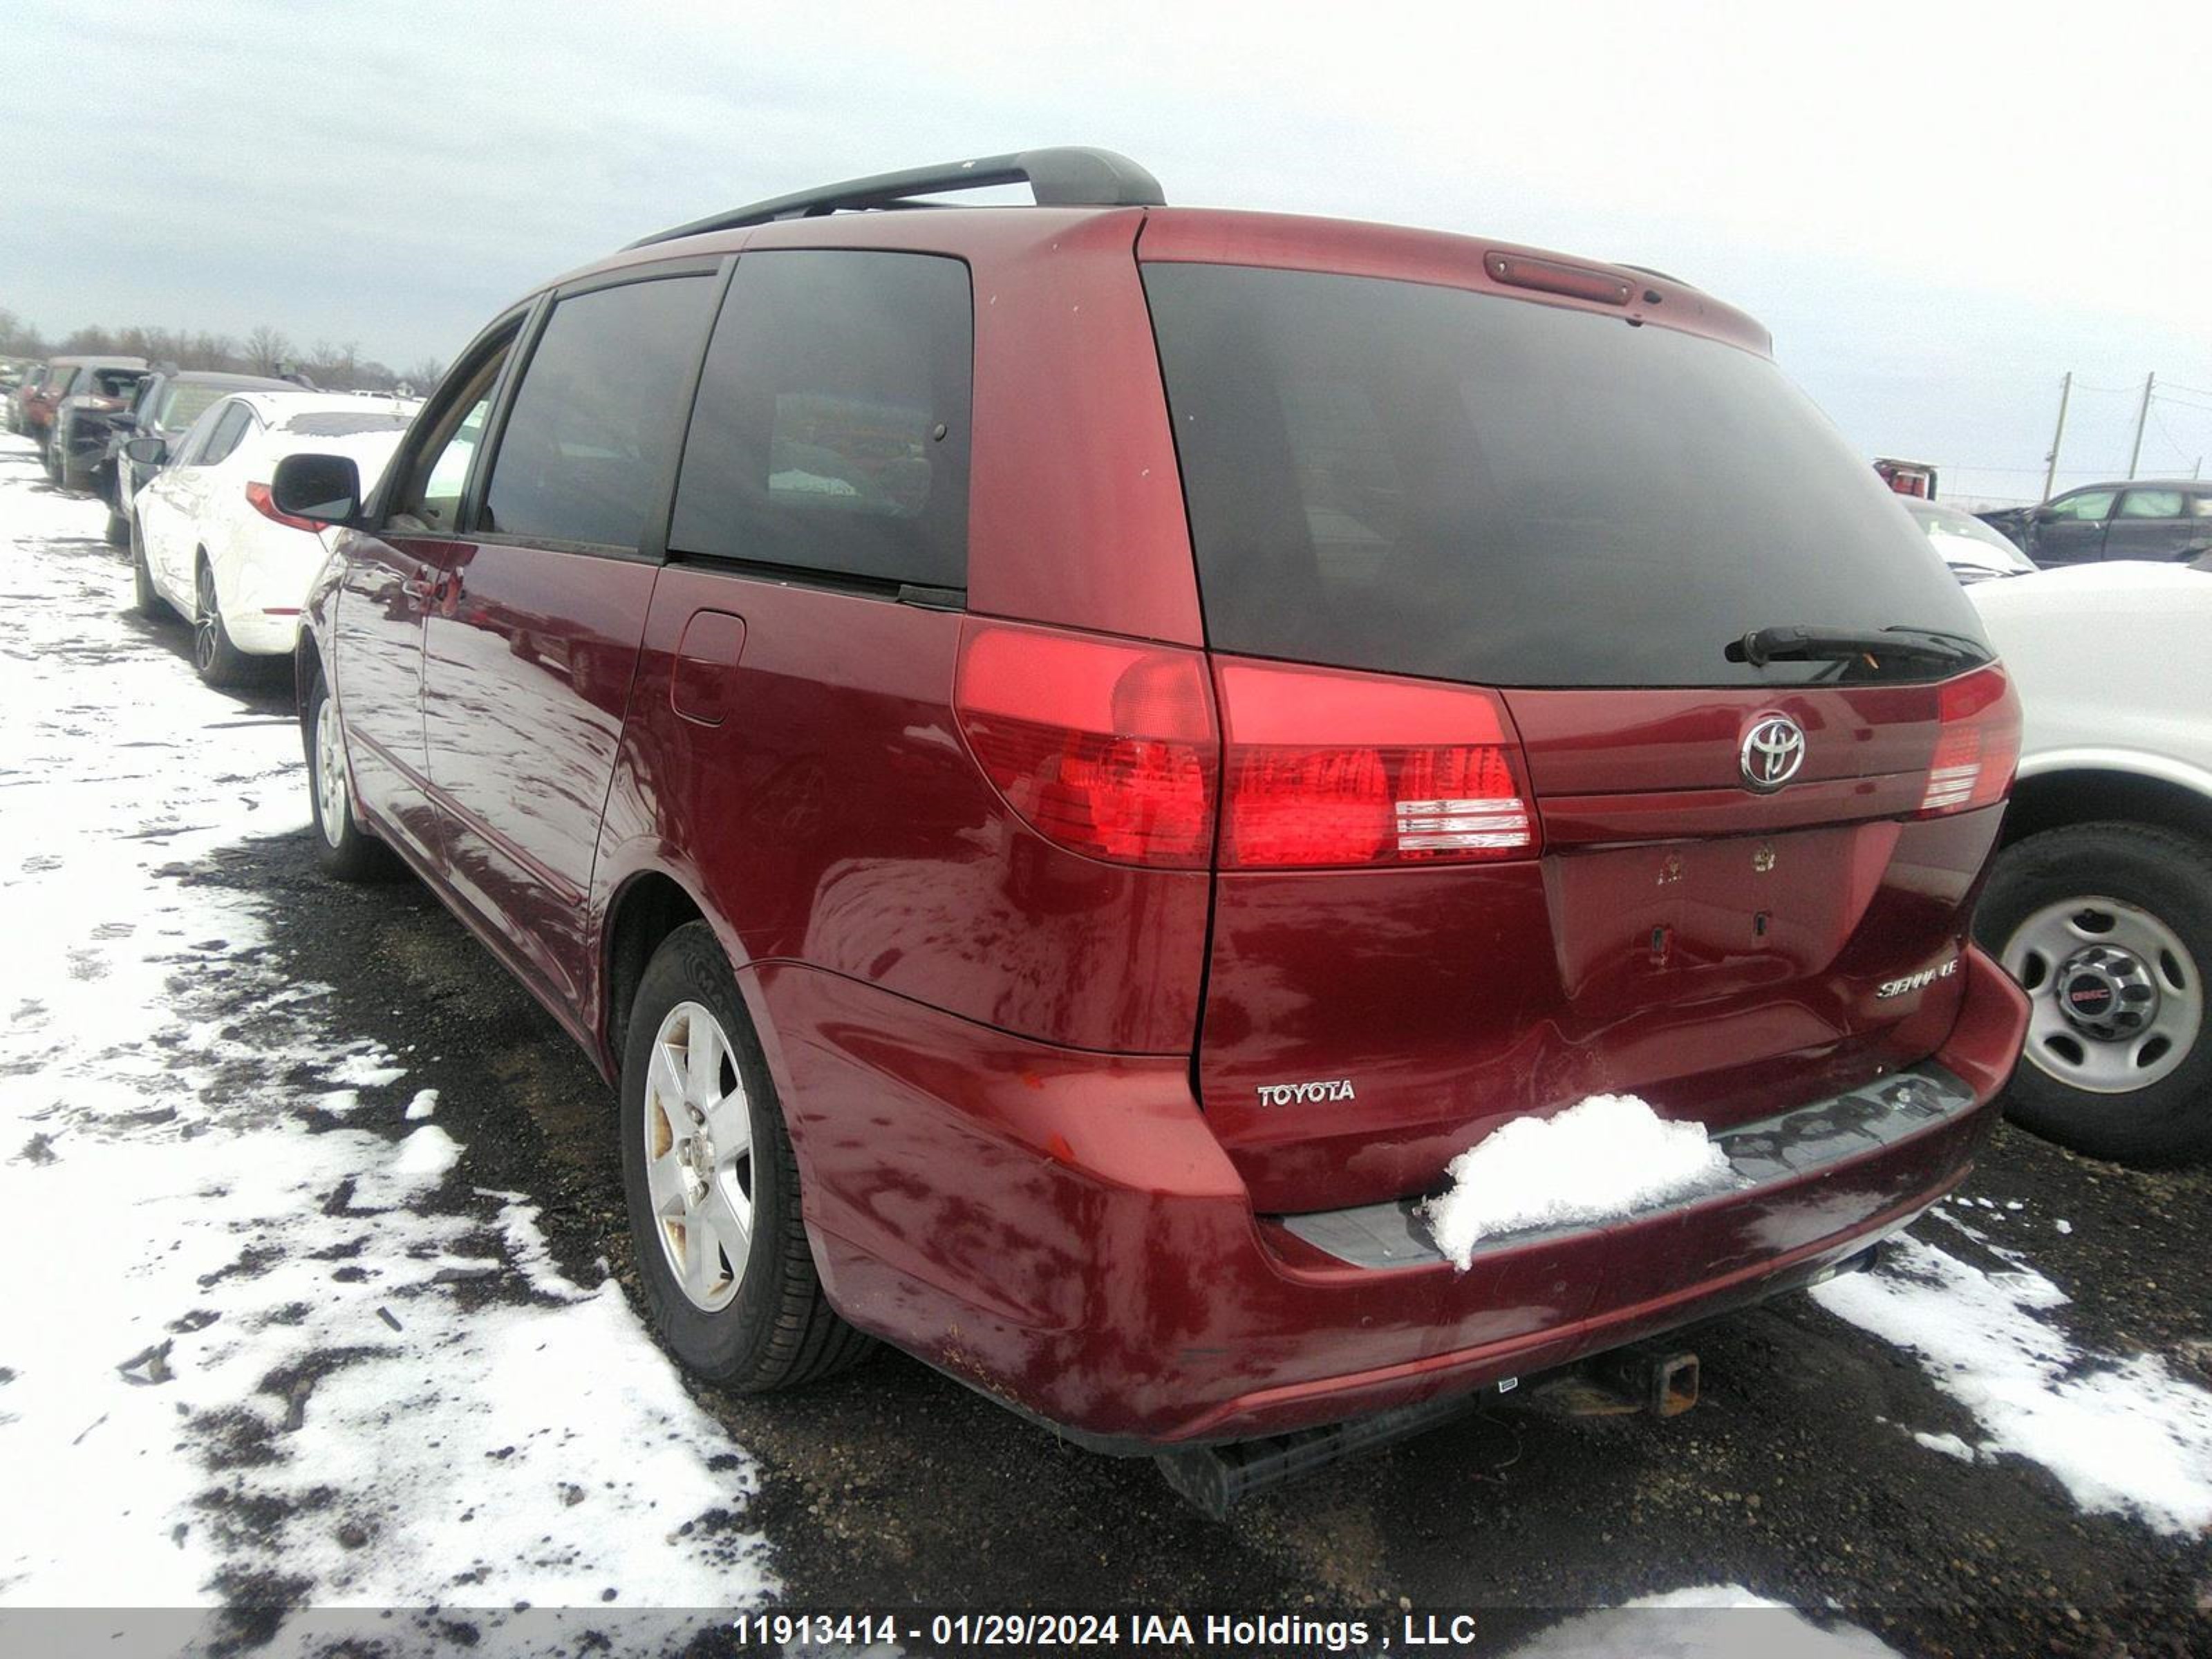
x=1764 y=645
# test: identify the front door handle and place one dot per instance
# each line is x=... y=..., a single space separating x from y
x=429 y=590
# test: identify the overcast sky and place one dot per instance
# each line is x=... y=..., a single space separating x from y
x=1938 y=211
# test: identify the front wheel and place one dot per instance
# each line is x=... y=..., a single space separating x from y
x=2108 y=928
x=342 y=846
x=148 y=597
x=118 y=528
x=712 y=1184
x=215 y=657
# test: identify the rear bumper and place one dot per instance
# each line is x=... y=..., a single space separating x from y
x=1061 y=1230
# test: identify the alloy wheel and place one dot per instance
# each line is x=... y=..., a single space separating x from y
x=207 y=622
x=698 y=1155
x=330 y=800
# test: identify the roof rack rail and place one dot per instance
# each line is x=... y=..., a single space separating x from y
x=1066 y=176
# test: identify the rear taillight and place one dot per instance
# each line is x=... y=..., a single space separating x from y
x=263 y=501
x=1977 y=742
x=1103 y=746
x=1329 y=768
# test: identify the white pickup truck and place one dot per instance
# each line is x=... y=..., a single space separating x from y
x=2100 y=901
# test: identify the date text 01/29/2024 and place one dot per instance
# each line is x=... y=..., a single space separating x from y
x=1166 y=1632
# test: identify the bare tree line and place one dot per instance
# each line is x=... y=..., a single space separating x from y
x=265 y=351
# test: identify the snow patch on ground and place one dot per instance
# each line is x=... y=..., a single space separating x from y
x=1712 y=1621
x=1604 y=1158
x=263 y=1344
x=1949 y=1445
x=425 y=1104
x=2123 y=1436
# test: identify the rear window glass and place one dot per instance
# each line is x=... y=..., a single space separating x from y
x=831 y=429
x=1421 y=480
x=183 y=405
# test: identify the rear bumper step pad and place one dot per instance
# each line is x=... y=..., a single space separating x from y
x=1765 y=1153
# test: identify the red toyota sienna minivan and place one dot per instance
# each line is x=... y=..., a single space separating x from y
x=1068 y=759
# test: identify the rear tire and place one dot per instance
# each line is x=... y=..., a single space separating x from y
x=118 y=528
x=215 y=658
x=2118 y=918
x=342 y=848
x=706 y=1155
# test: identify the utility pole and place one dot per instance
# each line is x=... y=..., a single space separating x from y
x=2141 y=415
x=2050 y=472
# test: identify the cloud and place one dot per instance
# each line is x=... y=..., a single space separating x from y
x=1937 y=211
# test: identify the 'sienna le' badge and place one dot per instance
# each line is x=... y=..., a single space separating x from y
x=1919 y=981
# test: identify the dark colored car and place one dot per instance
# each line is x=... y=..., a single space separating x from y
x=2167 y=518
x=83 y=423
x=63 y=376
x=1067 y=760
x=165 y=406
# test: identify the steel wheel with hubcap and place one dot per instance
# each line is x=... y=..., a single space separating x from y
x=2117 y=1001
x=2108 y=929
x=712 y=1184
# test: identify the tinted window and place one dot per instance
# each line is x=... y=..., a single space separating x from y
x=438 y=469
x=1419 y=480
x=595 y=424
x=230 y=426
x=831 y=429
x=2151 y=504
x=58 y=381
x=2091 y=506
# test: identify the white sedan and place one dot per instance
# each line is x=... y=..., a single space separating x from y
x=2100 y=901
x=207 y=542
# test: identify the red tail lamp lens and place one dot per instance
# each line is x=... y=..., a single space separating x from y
x=1334 y=769
x=1977 y=742
x=263 y=501
x=1103 y=747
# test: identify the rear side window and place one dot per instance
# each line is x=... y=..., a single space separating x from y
x=830 y=432
x=593 y=432
x=229 y=429
x=2151 y=504
x=1419 y=480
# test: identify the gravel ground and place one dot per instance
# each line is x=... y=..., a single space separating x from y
x=1798 y=1476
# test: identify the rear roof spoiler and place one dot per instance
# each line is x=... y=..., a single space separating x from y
x=1066 y=176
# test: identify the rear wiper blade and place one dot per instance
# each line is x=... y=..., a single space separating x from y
x=1764 y=645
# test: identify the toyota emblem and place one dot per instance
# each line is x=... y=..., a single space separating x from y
x=1772 y=751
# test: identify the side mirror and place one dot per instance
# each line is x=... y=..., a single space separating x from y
x=325 y=489
x=147 y=451
x=2045 y=514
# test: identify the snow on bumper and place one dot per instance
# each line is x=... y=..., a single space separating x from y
x=1062 y=1231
